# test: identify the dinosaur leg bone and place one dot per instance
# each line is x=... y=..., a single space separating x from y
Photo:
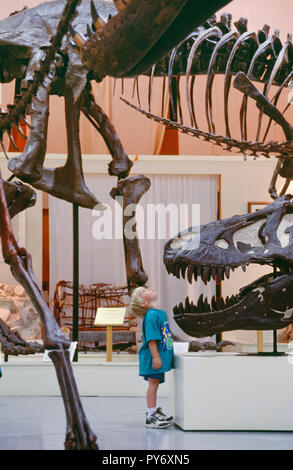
x=67 y=182
x=120 y=165
x=132 y=189
x=21 y=268
x=28 y=167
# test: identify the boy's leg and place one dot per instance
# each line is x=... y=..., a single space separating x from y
x=151 y=396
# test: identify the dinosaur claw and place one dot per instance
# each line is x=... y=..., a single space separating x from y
x=98 y=21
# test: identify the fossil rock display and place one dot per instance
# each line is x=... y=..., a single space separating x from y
x=18 y=312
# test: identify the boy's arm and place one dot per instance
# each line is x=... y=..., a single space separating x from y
x=157 y=361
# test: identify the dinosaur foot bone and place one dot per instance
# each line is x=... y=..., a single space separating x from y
x=13 y=344
x=68 y=184
x=19 y=168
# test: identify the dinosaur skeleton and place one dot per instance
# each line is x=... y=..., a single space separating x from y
x=45 y=66
x=215 y=49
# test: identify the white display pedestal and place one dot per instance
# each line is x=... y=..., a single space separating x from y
x=227 y=391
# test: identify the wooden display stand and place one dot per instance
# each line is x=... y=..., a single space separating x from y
x=109 y=317
x=259 y=341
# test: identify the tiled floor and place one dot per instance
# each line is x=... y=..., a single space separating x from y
x=38 y=423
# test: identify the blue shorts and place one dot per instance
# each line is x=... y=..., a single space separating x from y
x=161 y=377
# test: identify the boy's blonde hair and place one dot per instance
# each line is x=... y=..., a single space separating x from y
x=135 y=307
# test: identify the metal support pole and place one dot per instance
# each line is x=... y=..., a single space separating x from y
x=75 y=277
x=275 y=341
x=218 y=296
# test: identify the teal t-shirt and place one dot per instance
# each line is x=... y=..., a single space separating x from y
x=155 y=326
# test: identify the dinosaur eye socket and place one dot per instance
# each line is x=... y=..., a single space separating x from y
x=221 y=243
x=179 y=242
x=248 y=237
x=283 y=233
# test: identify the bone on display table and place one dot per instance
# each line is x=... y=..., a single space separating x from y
x=228 y=391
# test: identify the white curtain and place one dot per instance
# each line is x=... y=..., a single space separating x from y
x=103 y=260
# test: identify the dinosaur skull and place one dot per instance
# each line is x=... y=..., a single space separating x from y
x=263 y=237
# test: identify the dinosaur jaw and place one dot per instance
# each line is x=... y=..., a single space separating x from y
x=265 y=304
x=149 y=29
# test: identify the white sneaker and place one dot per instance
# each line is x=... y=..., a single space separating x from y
x=156 y=420
x=160 y=412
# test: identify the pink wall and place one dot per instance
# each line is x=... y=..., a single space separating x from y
x=136 y=132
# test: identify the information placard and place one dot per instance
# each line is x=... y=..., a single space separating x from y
x=110 y=316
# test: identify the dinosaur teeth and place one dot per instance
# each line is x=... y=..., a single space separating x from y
x=200 y=303
x=221 y=273
x=79 y=39
x=169 y=268
x=222 y=303
x=214 y=303
x=177 y=270
x=197 y=272
x=98 y=21
x=120 y=4
x=205 y=275
x=206 y=306
x=204 y=272
x=89 y=32
x=189 y=274
x=183 y=270
x=214 y=273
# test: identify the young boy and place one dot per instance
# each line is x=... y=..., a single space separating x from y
x=156 y=355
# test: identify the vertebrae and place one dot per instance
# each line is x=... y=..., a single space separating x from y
x=280 y=149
